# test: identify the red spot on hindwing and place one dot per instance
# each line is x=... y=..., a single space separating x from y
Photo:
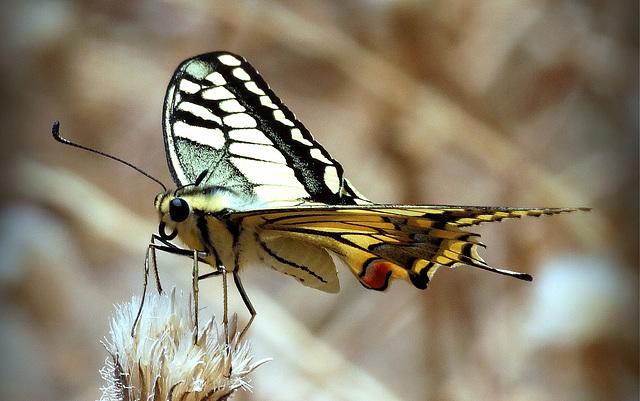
x=376 y=273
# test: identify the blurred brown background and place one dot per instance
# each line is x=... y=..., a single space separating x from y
x=512 y=103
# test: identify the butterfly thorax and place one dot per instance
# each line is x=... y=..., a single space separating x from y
x=196 y=215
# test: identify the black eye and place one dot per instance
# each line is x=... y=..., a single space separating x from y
x=178 y=210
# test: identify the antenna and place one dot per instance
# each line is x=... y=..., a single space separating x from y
x=55 y=130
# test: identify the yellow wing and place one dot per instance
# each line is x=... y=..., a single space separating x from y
x=381 y=243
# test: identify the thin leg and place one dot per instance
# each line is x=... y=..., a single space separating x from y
x=225 y=320
x=247 y=303
x=168 y=247
x=225 y=313
x=144 y=289
x=152 y=249
x=195 y=295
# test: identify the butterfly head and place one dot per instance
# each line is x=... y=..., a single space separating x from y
x=179 y=211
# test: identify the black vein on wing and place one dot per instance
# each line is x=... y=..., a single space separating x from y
x=280 y=259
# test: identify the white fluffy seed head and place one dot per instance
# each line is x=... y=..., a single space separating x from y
x=161 y=361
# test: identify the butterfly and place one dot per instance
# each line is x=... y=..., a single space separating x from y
x=255 y=188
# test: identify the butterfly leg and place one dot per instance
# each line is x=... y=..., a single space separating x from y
x=154 y=261
x=225 y=313
x=247 y=303
x=195 y=295
x=151 y=250
x=225 y=318
x=169 y=247
x=144 y=289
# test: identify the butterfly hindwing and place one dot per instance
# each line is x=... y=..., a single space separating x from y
x=221 y=117
x=381 y=243
x=306 y=261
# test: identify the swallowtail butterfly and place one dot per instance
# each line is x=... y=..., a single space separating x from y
x=254 y=187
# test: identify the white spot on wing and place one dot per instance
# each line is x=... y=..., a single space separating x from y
x=216 y=78
x=199 y=111
x=261 y=152
x=316 y=153
x=232 y=106
x=297 y=135
x=266 y=101
x=249 y=135
x=241 y=74
x=240 y=120
x=228 y=59
x=276 y=179
x=251 y=86
x=188 y=86
x=206 y=136
x=279 y=115
x=217 y=93
x=268 y=193
x=331 y=179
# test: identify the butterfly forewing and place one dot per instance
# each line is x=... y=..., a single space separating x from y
x=221 y=116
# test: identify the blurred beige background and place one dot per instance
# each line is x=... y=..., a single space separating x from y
x=510 y=103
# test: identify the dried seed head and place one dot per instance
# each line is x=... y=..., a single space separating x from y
x=161 y=362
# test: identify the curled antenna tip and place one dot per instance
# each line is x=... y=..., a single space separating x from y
x=55 y=130
x=524 y=276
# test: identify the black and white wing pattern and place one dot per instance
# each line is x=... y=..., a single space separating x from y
x=220 y=116
x=254 y=186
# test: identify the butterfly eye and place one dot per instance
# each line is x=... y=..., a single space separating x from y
x=178 y=210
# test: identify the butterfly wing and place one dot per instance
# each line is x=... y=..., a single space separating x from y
x=380 y=243
x=289 y=203
x=221 y=117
